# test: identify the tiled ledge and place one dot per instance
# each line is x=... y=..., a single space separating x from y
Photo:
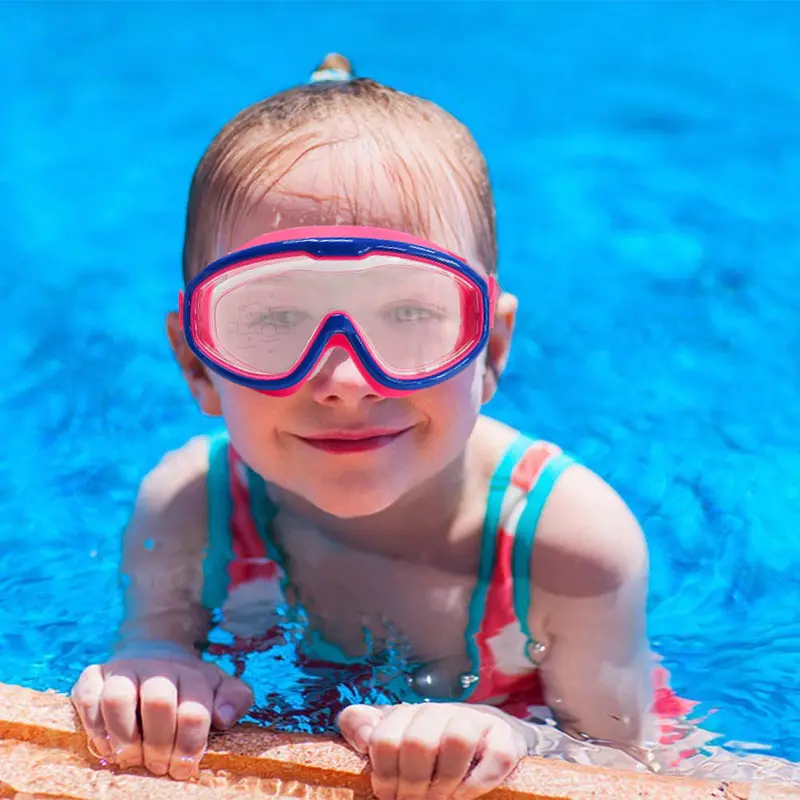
x=43 y=755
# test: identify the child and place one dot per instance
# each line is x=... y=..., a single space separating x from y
x=327 y=320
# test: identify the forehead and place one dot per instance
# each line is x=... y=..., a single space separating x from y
x=351 y=182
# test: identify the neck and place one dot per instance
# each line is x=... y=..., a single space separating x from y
x=413 y=528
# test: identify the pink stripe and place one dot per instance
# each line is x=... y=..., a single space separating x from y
x=247 y=544
x=528 y=469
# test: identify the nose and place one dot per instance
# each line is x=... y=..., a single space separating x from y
x=339 y=380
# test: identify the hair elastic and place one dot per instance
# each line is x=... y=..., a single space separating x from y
x=330 y=74
x=333 y=69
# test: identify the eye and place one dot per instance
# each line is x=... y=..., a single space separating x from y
x=409 y=314
x=287 y=317
x=278 y=318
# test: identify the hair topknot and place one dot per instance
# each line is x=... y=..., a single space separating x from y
x=336 y=61
x=333 y=69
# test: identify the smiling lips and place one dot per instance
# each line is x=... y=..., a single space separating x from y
x=358 y=441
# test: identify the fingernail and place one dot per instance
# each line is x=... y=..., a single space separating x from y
x=361 y=738
x=99 y=747
x=158 y=767
x=227 y=715
x=184 y=767
x=127 y=755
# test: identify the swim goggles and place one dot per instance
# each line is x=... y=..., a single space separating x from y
x=409 y=314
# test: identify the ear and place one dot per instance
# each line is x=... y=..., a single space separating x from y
x=194 y=371
x=499 y=347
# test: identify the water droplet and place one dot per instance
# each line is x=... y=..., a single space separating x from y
x=149 y=544
x=420 y=681
x=439 y=680
x=468 y=679
x=536 y=651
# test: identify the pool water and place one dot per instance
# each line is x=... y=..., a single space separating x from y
x=646 y=161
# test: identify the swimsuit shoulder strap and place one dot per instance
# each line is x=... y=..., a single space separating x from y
x=219 y=550
x=240 y=516
x=518 y=492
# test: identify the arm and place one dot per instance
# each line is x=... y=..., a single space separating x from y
x=153 y=702
x=162 y=560
x=589 y=593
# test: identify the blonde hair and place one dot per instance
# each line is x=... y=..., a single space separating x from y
x=259 y=146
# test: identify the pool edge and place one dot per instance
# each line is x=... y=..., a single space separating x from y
x=43 y=754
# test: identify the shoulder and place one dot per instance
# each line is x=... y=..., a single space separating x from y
x=174 y=473
x=489 y=443
x=588 y=541
x=586 y=537
x=171 y=503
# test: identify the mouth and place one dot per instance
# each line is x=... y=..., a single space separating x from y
x=358 y=441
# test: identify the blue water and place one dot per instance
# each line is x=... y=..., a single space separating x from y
x=646 y=159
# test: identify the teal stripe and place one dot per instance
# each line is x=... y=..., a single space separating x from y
x=498 y=485
x=264 y=512
x=219 y=550
x=525 y=533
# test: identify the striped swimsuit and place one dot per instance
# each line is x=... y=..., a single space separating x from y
x=242 y=558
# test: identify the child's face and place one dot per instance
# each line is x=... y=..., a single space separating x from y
x=299 y=442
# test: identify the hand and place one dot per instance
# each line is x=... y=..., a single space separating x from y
x=434 y=750
x=176 y=699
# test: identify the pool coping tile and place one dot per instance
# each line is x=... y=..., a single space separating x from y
x=43 y=754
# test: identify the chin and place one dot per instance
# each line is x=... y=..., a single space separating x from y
x=350 y=499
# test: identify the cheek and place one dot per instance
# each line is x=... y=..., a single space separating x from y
x=249 y=415
x=453 y=407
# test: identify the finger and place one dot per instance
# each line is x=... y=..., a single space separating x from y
x=85 y=697
x=232 y=700
x=195 y=701
x=158 y=700
x=119 y=704
x=419 y=750
x=384 y=750
x=499 y=752
x=357 y=722
x=458 y=747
